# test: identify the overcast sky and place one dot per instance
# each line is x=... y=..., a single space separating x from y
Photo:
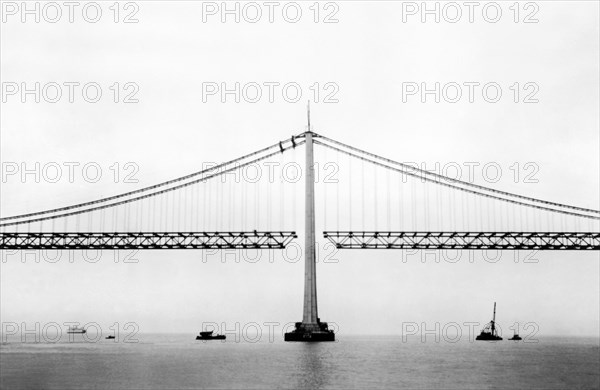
x=170 y=54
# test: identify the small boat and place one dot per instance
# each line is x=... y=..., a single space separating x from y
x=209 y=336
x=489 y=332
x=110 y=337
x=516 y=337
x=76 y=329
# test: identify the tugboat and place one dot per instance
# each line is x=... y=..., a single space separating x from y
x=489 y=333
x=209 y=336
x=516 y=337
x=76 y=329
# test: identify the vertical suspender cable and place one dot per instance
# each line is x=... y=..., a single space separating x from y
x=413 y=195
x=185 y=213
x=324 y=184
x=389 y=200
x=400 y=202
x=350 y=192
x=281 y=183
x=337 y=194
x=294 y=189
x=375 y=198
x=231 y=205
x=426 y=205
x=362 y=169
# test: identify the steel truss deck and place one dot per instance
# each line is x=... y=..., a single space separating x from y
x=465 y=240
x=115 y=241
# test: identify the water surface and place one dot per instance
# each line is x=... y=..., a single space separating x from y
x=353 y=362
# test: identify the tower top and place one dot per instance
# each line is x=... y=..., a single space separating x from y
x=308 y=114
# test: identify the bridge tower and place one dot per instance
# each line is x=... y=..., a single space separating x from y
x=311 y=328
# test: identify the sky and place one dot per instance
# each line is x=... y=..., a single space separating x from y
x=165 y=66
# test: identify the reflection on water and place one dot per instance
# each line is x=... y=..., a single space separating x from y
x=313 y=366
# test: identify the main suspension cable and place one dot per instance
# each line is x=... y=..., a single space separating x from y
x=278 y=145
x=157 y=192
x=480 y=187
x=456 y=187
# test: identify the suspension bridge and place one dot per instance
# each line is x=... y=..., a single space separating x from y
x=413 y=209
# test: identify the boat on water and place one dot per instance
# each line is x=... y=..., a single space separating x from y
x=489 y=332
x=76 y=329
x=110 y=337
x=209 y=336
x=516 y=337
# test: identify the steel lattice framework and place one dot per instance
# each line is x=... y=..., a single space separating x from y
x=116 y=241
x=465 y=240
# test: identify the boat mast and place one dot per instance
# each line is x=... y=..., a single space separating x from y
x=494 y=320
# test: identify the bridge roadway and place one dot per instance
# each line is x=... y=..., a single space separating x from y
x=465 y=240
x=168 y=240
